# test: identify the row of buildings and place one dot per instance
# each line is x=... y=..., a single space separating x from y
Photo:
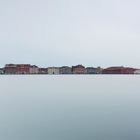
x=78 y=69
x=33 y=69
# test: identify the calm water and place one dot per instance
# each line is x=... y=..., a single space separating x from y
x=96 y=107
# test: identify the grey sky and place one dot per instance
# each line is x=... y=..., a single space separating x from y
x=69 y=32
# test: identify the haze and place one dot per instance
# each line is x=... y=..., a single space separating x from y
x=69 y=32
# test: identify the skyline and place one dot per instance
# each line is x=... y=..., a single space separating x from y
x=78 y=69
x=56 y=33
x=54 y=66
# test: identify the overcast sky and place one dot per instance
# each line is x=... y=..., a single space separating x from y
x=69 y=32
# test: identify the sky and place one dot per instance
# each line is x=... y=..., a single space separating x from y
x=70 y=32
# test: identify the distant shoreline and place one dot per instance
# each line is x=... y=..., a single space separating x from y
x=28 y=69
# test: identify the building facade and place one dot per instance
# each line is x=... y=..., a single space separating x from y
x=137 y=71
x=53 y=70
x=79 y=69
x=43 y=70
x=23 y=69
x=92 y=70
x=1 y=71
x=17 y=69
x=34 y=69
x=99 y=70
x=118 y=70
x=10 y=69
x=65 y=70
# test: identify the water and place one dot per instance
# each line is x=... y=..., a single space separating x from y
x=70 y=107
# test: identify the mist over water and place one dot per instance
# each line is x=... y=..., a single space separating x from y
x=70 y=107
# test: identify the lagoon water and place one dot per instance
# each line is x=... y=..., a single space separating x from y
x=70 y=107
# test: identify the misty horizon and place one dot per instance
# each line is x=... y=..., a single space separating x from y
x=56 y=33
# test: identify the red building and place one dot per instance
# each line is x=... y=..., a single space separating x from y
x=10 y=69
x=118 y=70
x=23 y=68
x=17 y=69
x=79 y=69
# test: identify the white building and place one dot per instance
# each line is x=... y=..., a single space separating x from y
x=137 y=71
x=34 y=69
x=53 y=70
